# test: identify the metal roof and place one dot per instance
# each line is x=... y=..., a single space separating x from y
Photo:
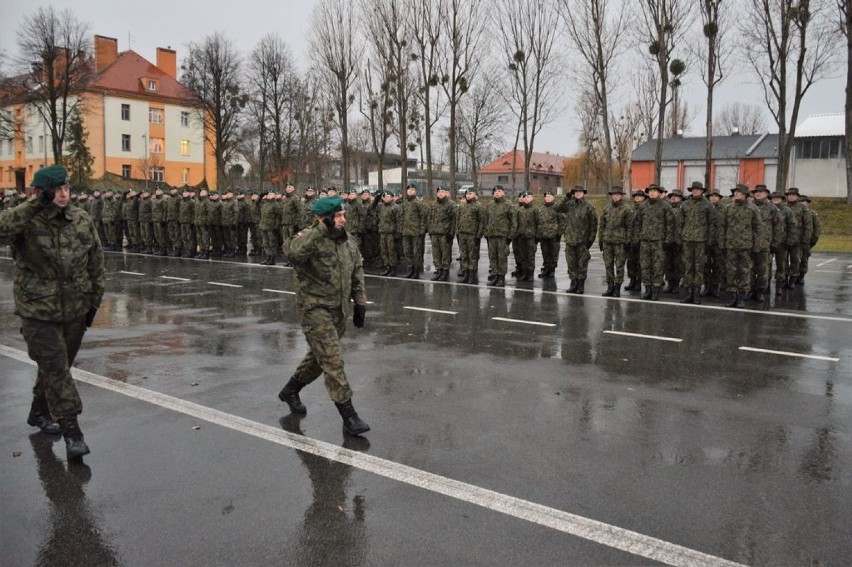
x=822 y=126
x=724 y=147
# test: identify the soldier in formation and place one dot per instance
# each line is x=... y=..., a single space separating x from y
x=581 y=226
x=615 y=230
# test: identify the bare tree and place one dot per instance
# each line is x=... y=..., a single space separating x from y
x=647 y=103
x=53 y=51
x=336 y=53
x=588 y=111
x=482 y=121
x=795 y=45
x=712 y=52
x=212 y=71
x=625 y=135
x=528 y=30
x=388 y=33
x=741 y=117
x=846 y=29
x=426 y=20
x=679 y=119
x=463 y=26
x=664 y=25
x=596 y=28
x=376 y=105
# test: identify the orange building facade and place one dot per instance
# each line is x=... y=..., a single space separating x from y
x=141 y=123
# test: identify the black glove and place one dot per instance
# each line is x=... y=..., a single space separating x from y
x=90 y=316
x=45 y=195
x=359 y=314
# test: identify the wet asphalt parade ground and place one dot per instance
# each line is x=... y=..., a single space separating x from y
x=515 y=426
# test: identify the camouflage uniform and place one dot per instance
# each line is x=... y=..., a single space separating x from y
x=443 y=223
x=369 y=244
x=354 y=219
x=173 y=223
x=187 y=229
x=96 y=211
x=801 y=238
x=768 y=239
x=656 y=227
x=501 y=222
x=714 y=272
x=816 y=231
x=145 y=227
x=634 y=266
x=268 y=227
x=581 y=226
x=291 y=213
x=471 y=228
x=673 y=251
x=697 y=232
x=616 y=227
x=328 y=273
x=60 y=279
x=110 y=218
x=390 y=224
x=788 y=230
x=254 y=225
x=229 y=225
x=415 y=216
x=202 y=230
x=158 y=222
x=740 y=230
x=131 y=218
x=549 y=227
x=214 y=224
x=524 y=242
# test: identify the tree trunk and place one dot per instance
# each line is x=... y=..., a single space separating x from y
x=453 y=109
x=708 y=125
x=849 y=105
x=661 y=120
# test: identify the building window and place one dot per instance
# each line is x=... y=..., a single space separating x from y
x=125 y=112
x=184 y=118
x=125 y=170
x=29 y=144
x=155 y=115
x=186 y=176
x=41 y=143
x=156 y=146
x=502 y=179
x=152 y=85
x=819 y=148
x=184 y=147
x=125 y=142
x=157 y=174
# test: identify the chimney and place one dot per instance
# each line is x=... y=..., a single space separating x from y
x=106 y=51
x=735 y=131
x=167 y=61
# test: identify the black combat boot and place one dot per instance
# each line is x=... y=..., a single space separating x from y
x=573 y=287
x=264 y=262
x=290 y=396
x=473 y=277
x=616 y=290
x=543 y=273
x=735 y=298
x=410 y=273
x=464 y=276
x=581 y=286
x=778 y=287
x=788 y=283
x=436 y=277
x=716 y=291
x=740 y=303
x=800 y=280
x=690 y=296
x=75 y=446
x=674 y=287
x=515 y=273
x=271 y=261
x=352 y=424
x=527 y=275
x=610 y=290
x=696 y=292
x=417 y=273
x=499 y=281
x=655 y=293
x=647 y=294
x=392 y=272
x=206 y=255
x=40 y=417
x=632 y=286
x=491 y=278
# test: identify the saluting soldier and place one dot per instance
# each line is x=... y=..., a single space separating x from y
x=354 y=215
x=616 y=227
x=768 y=241
x=110 y=217
x=549 y=226
x=500 y=226
x=581 y=226
x=145 y=228
x=254 y=225
x=158 y=222
x=243 y=222
x=656 y=227
x=740 y=231
x=524 y=241
x=698 y=231
x=415 y=224
x=470 y=231
x=229 y=225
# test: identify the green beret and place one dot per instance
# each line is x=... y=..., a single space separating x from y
x=327 y=206
x=50 y=176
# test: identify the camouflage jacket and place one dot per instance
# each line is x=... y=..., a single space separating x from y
x=443 y=217
x=527 y=226
x=307 y=218
x=549 y=222
x=96 y=209
x=817 y=230
x=200 y=212
x=291 y=210
x=59 y=258
x=390 y=218
x=804 y=222
x=740 y=227
x=698 y=220
x=415 y=217
x=229 y=213
x=354 y=216
x=131 y=209
x=158 y=210
x=581 y=221
x=328 y=270
x=677 y=215
x=472 y=219
x=269 y=218
x=616 y=223
x=655 y=221
x=771 y=235
x=214 y=213
x=501 y=219
x=145 y=210
x=109 y=211
x=173 y=209
x=187 y=210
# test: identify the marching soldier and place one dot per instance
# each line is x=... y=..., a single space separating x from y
x=616 y=227
x=581 y=226
x=740 y=231
x=698 y=231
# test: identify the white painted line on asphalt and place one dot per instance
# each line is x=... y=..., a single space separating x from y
x=224 y=284
x=820 y=265
x=5 y=258
x=641 y=336
x=523 y=322
x=830 y=271
x=785 y=353
x=430 y=310
x=176 y=278
x=592 y=530
x=131 y=273
x=280 y=291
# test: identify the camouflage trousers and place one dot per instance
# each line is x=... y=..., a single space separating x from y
x=714 y=271
x=188 y=236
x=53 y=347
x=242 y=237
x=216 y=241
x=577 y=258
x=270 y=242
x=634 y=267
x=323 y=329
x=761 y=266
x=229 y=237
x=203 y=235
x=413 y=249
x=498 y=255
x=549 y=252
x=387 y=248
x=614 y=257
x=738 y=266
x=524 y=248
x=160 y=235
x=99 y=226
x=173 y=228
x=805 y=256
x=780 y=264
x=254 y=233
x=673 y=262
x=442 y=250
x=133 y=233
x=694 y=263
x=111 y=230
x=653 y=262
x=793 y=260
x=147 y=233
x=469 y=248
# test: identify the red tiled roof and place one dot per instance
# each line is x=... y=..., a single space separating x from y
x=126 y=74
x=539 y=163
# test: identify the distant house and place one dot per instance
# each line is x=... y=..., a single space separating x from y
x=748 y=159
x=545 y=172
x=818 y=164
x=141 y=122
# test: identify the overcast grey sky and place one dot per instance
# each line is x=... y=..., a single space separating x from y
x=144 y=26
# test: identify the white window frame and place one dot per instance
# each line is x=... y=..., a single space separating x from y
x=125 y=107
x=157 y=146
x=158 y=174
x=126 y=170
x=125 y=147
x=184 y=147
x=184 y=118
x=186 y=176
x=155 y=115
x=152 y=85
